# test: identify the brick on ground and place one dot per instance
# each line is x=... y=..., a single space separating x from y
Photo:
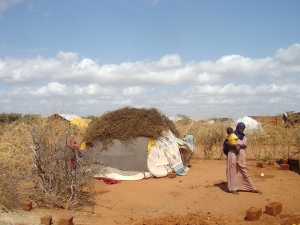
x=66 y=220
x=253 y=214
x=26 y=205
x=261 y=164
x=284 y=166
x=46 y=220
x=273 y=208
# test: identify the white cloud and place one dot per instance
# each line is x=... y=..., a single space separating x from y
x=50 y=90
x=133 y=91
x=180 y=101
x=123 y=102
x=290 y=56
x=5 y=101
x=208 y=78
x=15 y=70
x=67 y=58
x=234 y=66
x=200 y=88
x=243 y=90
x=96 y=90
x=169 y=62
x=169 y=70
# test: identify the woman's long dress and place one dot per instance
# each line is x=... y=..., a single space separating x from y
x=238 y=178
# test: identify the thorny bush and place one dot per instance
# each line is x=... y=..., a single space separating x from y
x=60 y=169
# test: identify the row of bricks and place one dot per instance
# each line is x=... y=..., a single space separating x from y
x=272 y=208
x=283 y=166
x=47 y=220
x=64 y=220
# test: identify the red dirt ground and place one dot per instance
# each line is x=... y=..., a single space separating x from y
x=200 y=197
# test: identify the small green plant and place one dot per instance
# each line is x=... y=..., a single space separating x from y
x=266 y=158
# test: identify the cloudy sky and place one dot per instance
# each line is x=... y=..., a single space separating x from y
x=200 y=58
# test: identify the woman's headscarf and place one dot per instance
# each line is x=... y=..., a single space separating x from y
x=239 y=134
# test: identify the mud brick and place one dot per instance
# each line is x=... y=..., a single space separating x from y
x=285 y=161
x=46 y=220
x=172 y=175
x=284 y=166
x=261 y=164
x=273 y=208
x=26 y=205
x=271 y=162
x=253 y=214
x=66 y=220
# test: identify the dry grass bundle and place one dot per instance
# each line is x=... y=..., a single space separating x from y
x=127 y=124
x=9 y=196
x=14 y=142
x=16 y=162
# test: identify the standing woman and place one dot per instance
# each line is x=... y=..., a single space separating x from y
x=238 y=178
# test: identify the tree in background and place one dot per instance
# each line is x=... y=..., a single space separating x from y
x=183 y=116
x=91 y=117
x=11 y=117
x=28 y=118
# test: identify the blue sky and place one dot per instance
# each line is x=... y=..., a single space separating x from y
x=199 y=58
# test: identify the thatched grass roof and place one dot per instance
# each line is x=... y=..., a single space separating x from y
x=127 y=124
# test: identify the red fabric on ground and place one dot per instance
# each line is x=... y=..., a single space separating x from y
x=108 y=180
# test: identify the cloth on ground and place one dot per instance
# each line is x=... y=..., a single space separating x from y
x=108 y=180
x=117 y=174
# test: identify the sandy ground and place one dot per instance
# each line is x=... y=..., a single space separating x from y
x=200 y=197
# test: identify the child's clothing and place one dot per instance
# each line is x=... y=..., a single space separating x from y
x=232 y=138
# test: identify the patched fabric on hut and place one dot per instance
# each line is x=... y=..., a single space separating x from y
x=124 y=138
x=168 y=143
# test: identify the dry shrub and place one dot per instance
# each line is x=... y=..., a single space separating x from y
x=208 y=138
x=272 y=142
x=38 y=152
x=14 y=143
x=127 y=124
x=258 y=143
x=57 y=183
x=9 y=196
x=16 y=162
x=284 y=141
